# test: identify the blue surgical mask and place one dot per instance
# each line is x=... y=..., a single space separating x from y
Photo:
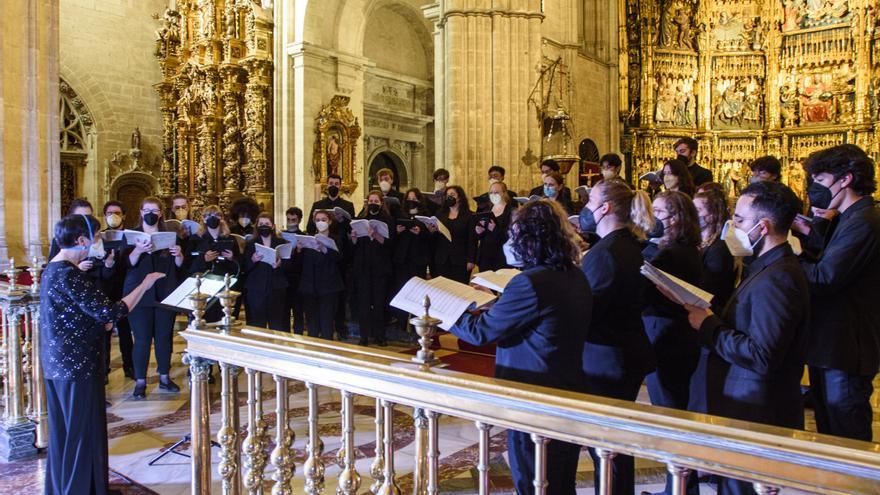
x=550 y=191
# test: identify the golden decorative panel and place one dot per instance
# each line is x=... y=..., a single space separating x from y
x=216 y=95
x=336 y=134
x=747 y=78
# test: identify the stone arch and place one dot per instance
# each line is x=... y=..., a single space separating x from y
x=77 y=143
x=401 y=167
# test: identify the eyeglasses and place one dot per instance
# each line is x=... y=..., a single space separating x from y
x=154 y=210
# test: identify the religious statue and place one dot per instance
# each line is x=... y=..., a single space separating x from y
x=789 y=101
x=685 y=109
x=136 y=139
x=730 y=107
x=793 y=11
x=665 y=110
x=683 y=21
x=668 y=30
x=730 y=172
x=167 y=36
x=334 y=154
x=206 y=19
x=816 y=100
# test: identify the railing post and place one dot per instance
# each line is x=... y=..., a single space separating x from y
x=349 y=479
x=313 y=469
x=377 y=468
x=483 y=461
x=200 y=422
x=255 y=443
x=540 y=464
x=679 y=478
x=282 y=457
x=763 y=489
x=230 y=455
x=39 y=414
x=433 y=453
x=420 y=475
x=389 y=484
x=605 y=470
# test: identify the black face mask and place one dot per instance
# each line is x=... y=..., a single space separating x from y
x=264 y=230
x=588 y=221
x=450 y=201
x=151 y=219
x=657 y=231
x=820 y=196
x=373 y=208
x=410 y=204
x=682 y=158
x=332 y=191
x=212 y=222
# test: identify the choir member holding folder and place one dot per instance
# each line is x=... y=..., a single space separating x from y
x=372 y=268
x=214 y=250
x=719 y=267
x=266 y=295
x=540 y=330
x=674 y=342
x=491 y=228
x=332 y=201
x=321 y=280
x=149 y=321
x=617 y=354
x=412 y=245
x=454 y=257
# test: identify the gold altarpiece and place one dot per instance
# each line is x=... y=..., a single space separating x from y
x=747 y=78
x=216 y=100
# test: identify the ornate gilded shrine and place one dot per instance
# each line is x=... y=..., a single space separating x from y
x=216 y=92
x=747 y=78
x=336 y=134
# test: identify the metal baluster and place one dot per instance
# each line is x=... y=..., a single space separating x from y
x=4 y=364
x=200 y=411
x=605 y=470
x=483 y=463
x=27 y=383
x=40 y=414
x=389 y=484
x=281 y=456
x=420 y=475
x=349 y=479
x=540 y=464
x=14 y=381
x=227 y=437
x=313 y=469
x=254 y=445
x=433 y=453
x=679 y=478
x=377 y=468
x=763 y=489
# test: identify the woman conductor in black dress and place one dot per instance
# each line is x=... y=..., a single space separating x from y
x=74 y=314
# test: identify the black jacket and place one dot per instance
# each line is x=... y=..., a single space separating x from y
x=321 y=273
x=490 y=255
x=564 y=197
x=372 y=258
x=540 y=329
x=158 y=261
x=616 y=342
x=700 y=175
x=463 y=248
x=844 y=284
x=261 y=277
x=328 y=204
x=756 y=346
x=719 y=273
x=200 y=244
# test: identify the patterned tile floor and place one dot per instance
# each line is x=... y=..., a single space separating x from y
x=139 y=430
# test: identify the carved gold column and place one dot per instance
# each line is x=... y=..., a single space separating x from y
x=200 y=423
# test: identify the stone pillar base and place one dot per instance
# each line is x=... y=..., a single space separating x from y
x=17 y=442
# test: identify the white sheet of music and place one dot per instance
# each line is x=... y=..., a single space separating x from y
x=360 y=227
x=449 y=299
x=684 y=292
x=269 y=254
x=496 y=280
x=179 y=298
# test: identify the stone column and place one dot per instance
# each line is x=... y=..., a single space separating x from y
x=432 y=13
x=490 y=56
x=29 y=154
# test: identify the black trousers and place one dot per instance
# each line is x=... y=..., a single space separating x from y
x=295 y=303
x=372 y=293
x=842 y=403
x=342 y=303
x=268 y=310
x=150 y=325
x=459 y=273
x=77 y=454
x=126 y=343
x=321 y=314
x=562 y=460
x=669 y=386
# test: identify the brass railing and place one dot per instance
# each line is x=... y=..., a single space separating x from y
x=24 y=423
x=769 y=457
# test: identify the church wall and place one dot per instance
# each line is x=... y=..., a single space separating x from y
x=107 y=57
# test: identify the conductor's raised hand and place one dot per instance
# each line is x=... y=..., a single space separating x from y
x=151 y=278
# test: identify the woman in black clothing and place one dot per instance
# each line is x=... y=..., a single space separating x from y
x=74 y=314
x=321 y=278
x=412 y=247
x=213 y=250
x=243 y=212
x=719 y=266
x=266 y=300
x=149 y=321
x=674 y=341
x=455 y=259
x=492 y=231
x=617 y=354
x=553 y=187
x=372 y=271
x=676 y=177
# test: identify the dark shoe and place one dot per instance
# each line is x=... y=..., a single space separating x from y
x=128 y=371
x=363 y=342
x=381 y=342
x=169 y=386
x=140 y=391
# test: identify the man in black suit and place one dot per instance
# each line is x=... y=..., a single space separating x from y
x=687 y=148
x=496 y=174
x=844 y=348
x=757 y=345
x=392 y=197
x=333 y=200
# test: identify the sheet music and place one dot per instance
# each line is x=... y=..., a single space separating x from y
x=111 y=235
x=179 y=298
x=330 y=243
x=380 y=227
x=436 y=223
x=242 y=241
x=449 y=299
x=160 y=240
x=285 y=251
x=289 y=237
x=360 y=227
x=683 y=292
x=190 y=226
x=270 y=256
x=306 y=242
x=344 y=214
x=496 y=280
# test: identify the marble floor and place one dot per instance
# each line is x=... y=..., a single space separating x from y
x=140 y=429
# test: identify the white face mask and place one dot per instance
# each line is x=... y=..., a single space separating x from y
x=510 y=256
x=439 y=186
x=181 y=213
x=385 y=186
x=495 y=198
x=608 y=174
x=244 y=221
x=96 y=250
x=113 y=220
x=321 y=225
x=738 y=241
x=413 y=211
